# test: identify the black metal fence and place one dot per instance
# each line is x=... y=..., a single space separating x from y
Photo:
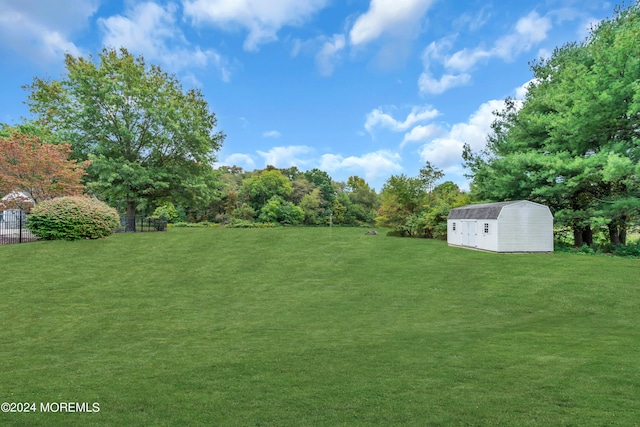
x=13 y=228
x=140 y=224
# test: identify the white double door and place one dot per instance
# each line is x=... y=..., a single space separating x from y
x=469 y=233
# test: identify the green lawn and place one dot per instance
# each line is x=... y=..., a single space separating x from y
x=312 y=327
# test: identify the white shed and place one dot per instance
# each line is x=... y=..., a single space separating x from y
x=517 y=226
x=12 y=205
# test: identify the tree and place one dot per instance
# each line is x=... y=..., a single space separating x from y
x=574 y=143
x=445 y=197
x=311 y=205
x=406 y=202
x=39 y=170
x=279 y=210
x=300 y=188
x=407 y=193
x=323 y=181
x=146 y=137
x=260 y=188
x=31 y=129
x=428 y=176
x=363 y=202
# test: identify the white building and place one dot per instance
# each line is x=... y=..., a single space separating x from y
x=14 y=200
x=517 y=226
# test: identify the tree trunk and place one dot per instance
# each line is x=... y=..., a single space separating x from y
x=131 y=216
x=577 y=237
x=618 y=232
x=587 y=235
x=622 y=235
x=614 y=234
x=582 y=236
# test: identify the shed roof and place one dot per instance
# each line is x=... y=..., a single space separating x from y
x=481 y=211
x=14 y=200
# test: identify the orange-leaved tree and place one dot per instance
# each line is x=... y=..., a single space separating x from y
x=36 y=170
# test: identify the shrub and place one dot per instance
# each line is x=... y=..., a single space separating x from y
x=245 y=212
x=586 y=249
x=72 y=218
x=202 y=224
x=629 y=250
x=167 y=211
x=240 y=223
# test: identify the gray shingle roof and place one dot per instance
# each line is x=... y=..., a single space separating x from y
x=481 y=211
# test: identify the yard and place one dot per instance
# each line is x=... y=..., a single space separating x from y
x=315 y=326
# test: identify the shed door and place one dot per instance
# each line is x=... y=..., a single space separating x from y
x=468 y=230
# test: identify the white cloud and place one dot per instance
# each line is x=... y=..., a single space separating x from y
x=263 y=19
x=436 y=50
x=150 y=29
x=271 y=134
x=533 y=29
x=446 y=152
x=396 y=17
x=474 y=22
x=544 y=54
x=329 y=54
x=328 y=51
x=529 y=31
x=465 y=59
x=244 y=161
x=521 y=91
x=378 y=118
x=43 y=31
x=284 y=157
x=428 y=84
x=372 y=165
x=435 y=53
x=420 y=133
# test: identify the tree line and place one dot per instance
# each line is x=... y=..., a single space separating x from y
x=284 y=196
x=127 y=133
x=35 y=162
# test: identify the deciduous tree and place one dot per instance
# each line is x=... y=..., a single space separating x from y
x=39 y=170
x=260 y=188
x=147 y=137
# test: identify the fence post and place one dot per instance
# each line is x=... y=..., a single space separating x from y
x=20 y=227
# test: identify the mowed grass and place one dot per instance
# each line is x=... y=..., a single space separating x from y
x=313 y=327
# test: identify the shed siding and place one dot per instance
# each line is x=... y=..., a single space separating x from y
x=525 y=227
x=454 y=237
x=489 y=240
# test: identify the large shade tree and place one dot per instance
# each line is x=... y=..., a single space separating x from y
x=147 y=138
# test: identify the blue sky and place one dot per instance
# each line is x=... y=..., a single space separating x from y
x=354 y=87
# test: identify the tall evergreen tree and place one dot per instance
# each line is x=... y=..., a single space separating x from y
x=573 y=143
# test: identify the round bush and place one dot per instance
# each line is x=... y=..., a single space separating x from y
x=72 y=218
